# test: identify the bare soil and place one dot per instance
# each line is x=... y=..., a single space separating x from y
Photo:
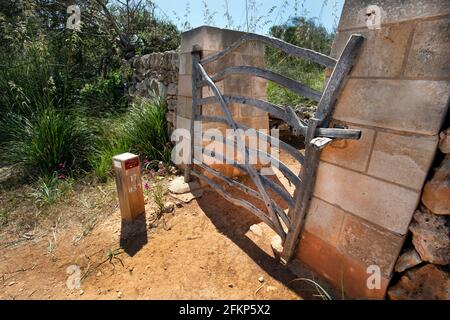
x=202 y=250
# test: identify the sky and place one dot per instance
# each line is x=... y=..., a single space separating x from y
x=270 y=12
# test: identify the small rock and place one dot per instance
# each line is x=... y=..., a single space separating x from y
x=261 y=279
x=431 y=236
x=99 y=274
x=407 y=260
x=179 y=204
x=169 y=207
x=271 y=288
x=81 y=292
x=277 y=246
x=426 y=283
x=178 y=186
x=444 y=141
x=436 y=193
x=11 y=283
x=230 y=285
x=256 y=229
x=189 y=196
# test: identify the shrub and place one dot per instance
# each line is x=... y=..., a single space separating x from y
x=143 y=130
x=45 y=141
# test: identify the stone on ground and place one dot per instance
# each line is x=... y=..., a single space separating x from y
x=178 y=186
x=425 y=283
x=277 y=246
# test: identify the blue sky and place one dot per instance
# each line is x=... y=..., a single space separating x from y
x=272 y=12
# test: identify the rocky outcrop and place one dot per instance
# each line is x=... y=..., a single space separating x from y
x=423 y=283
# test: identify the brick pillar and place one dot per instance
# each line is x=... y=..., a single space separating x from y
x=367 y=190
x=212 y=40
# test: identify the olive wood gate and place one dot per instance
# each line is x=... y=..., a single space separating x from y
x=316 y=132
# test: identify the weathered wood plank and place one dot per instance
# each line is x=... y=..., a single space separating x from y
x=286 y=82
x=196 y=96
x=241 y=203
x=265 y=180
x=250 y=168
x=288 y=48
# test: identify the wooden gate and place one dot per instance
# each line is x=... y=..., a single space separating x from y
x=316 y=132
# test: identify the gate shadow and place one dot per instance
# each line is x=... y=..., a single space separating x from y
x=234 y=222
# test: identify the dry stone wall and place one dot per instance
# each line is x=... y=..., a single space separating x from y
x=156 y=74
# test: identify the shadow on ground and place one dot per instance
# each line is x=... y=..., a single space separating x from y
x=234 y=222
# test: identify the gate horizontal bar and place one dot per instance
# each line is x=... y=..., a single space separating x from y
x=283 y=145
x=266 y=181
x=245 y=189
x=292 y=177
x=285 y=115
x=286 y=82
x=239 y=202
x=284 y=46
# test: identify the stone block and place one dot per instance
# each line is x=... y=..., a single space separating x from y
x=208 y=38
x=382 y=53
x=429 y=55
x=184 y=107
x=354 y=11
x=403 y=159
x=382 y=203
x=324 y=221
x=407 y=260
x=352 y=154
x=417 y=106
x=369 y=244
x=185 y=85
x=185 y=63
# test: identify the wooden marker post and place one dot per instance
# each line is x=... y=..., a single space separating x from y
x=129 y=185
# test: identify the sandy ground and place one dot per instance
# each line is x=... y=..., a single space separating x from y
x=202 y=250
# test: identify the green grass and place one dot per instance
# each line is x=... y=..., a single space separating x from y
x=48 y=189
x=45 y=141
x=142 y=130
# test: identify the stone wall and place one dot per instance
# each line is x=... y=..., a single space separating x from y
x=156 y=74
x=368 y=190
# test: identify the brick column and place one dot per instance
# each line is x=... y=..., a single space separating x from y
x=212 y=40
x=367 y=190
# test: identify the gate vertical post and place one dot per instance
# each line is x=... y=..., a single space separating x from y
x=196 y=96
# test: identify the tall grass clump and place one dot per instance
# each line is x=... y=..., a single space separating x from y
x=45 y=141
x=142 y=130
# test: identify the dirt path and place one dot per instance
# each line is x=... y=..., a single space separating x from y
x=203 y=254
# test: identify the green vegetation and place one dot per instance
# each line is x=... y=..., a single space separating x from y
x=64 y=109
x=303 y=33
